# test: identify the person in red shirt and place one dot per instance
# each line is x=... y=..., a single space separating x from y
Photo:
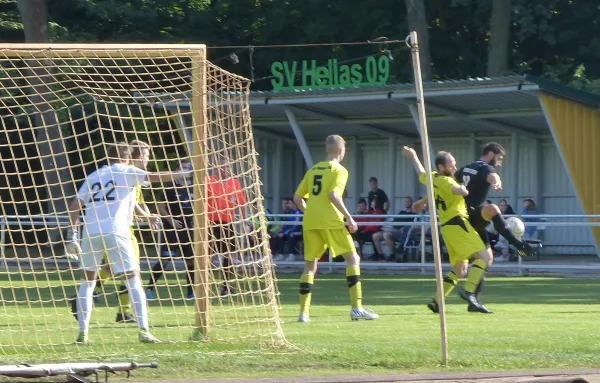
x=365 y=233
x=225 y=202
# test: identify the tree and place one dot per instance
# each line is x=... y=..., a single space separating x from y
x=417 y=21
x=51 y=149
x=497 y=64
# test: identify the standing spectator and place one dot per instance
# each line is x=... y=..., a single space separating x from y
x=378 y=195
x=290 y=234
x=225 y=199
x=398 y=233
x=530 y=208
x=178 y=223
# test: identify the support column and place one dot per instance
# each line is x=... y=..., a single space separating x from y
x=475 y=150
x=536 y=192
x=277 y=173
x=355 y=178
x=299 y=137
x=514 y=169
x=393 y=158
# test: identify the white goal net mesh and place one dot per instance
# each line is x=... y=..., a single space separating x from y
x=206 y=271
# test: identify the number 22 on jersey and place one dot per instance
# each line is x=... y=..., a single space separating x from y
x=108 y=189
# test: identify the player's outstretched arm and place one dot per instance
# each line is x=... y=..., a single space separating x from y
x=410 y=153
x=418 y=206
x=142 y=210
x=460 y=190
x=168 y=176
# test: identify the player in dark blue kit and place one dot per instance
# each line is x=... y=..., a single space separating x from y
x=478 y=178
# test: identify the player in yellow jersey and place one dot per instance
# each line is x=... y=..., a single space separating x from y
x=461 y=238
x=323 y=228
x=140 y=156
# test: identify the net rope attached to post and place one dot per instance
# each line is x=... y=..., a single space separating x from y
x=61 y=107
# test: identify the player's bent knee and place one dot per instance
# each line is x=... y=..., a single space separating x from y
x=310 y=267
x=485 y=256
x=352 y=258
x=490 y=211
x=460 y=269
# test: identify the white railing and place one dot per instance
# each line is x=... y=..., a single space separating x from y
x=544 y=220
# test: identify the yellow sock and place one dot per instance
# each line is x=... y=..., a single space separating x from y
x=450 y=281
x=123 y=299
x=306 y=283
x=476 y=274
x=353 y=278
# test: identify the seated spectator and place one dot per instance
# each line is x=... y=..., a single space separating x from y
x=289 y=234
x=529 y=208
x=398 y=233
x=365 y=233
x=505 y=207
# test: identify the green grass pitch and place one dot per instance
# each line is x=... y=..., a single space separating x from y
x=540 y=323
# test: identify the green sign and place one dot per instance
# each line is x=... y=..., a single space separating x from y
x=307 y=75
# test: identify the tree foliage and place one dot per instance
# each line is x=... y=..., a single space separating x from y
x=547 y=37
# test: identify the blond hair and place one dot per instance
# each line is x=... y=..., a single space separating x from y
x=334 y=142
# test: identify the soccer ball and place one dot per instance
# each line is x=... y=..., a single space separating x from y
x=516 y=226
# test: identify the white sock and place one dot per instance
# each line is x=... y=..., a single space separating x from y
x=138 y=300
x=85 y=303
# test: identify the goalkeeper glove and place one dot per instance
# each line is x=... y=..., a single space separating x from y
x=72 y=247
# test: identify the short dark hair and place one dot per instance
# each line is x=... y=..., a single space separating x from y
x=441 y=158
x=373 y=179
x=119 y=151
x=493 y=147
x=137 y=147
x=362 y=200
x=290 y=199
x=409 y=197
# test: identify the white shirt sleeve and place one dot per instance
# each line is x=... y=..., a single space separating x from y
x=135 y=176
x=84 y=192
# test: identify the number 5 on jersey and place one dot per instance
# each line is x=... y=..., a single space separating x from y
x=317 y=184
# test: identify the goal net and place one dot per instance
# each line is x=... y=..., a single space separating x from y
x=206 y=272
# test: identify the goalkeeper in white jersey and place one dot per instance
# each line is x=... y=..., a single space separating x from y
x=140 y=156
x=108 y=196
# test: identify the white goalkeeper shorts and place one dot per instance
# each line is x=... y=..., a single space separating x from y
x=119 y=250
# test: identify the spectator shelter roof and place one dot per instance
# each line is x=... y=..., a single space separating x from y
x=506 y=105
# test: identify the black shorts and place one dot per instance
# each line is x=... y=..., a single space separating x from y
x=177 y=241
x=479 y=224
x=223 y=238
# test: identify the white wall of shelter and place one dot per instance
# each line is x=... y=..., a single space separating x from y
x=540 y=176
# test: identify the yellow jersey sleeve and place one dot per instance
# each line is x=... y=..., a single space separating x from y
x=139 y=196
x=445 y=186
x=338 y=182
x=302 y=189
